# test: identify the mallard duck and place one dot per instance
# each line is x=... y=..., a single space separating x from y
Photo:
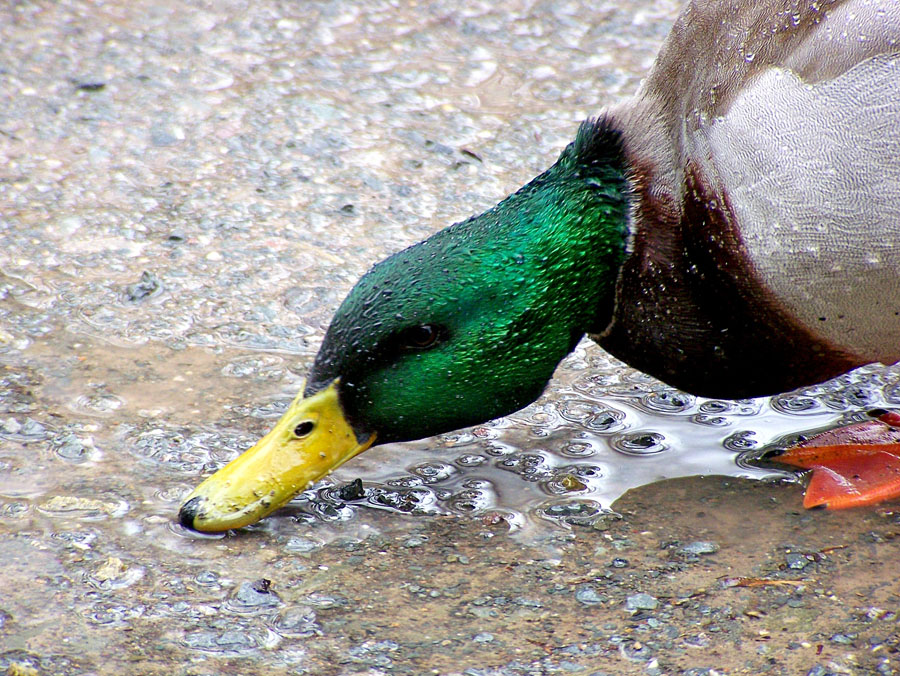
x=731 y=230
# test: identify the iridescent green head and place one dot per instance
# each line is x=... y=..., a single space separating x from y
x=461 y=328
x=470 y=324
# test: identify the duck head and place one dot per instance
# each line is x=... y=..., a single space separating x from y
x=466 y=326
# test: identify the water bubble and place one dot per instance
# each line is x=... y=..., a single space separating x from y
x=854 y=397
x=537 y=416
x=572 y=512
x=796 y=404
x=208 y=579
x=740 y=441
x=490 y=429
x=716 y=406
x=268 y=411
x=667 y=401
x=433 y=472
x=32 y=429
x=297 y=622
x=471 y=501
x=301 y=545
x=573 y=479
x=13 y=510
x=259 y=367
x=579 y=449
x=529 y=466
x=173 y=492
x=228 y=642
x=710 y=420
x=417 y=501
x=640 y=443
x=81 y=539
x=110 y=613
x=593 y=416
x=99 y=403
x=19 y=661
x=252 y=598
x=406 y=482
x=10 y=427
x=497 y=449
x=470 y=460
x=466 y=438
x=184 y=449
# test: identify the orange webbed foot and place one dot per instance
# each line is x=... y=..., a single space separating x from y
x=852 y=466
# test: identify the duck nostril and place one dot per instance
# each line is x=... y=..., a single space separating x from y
x=304 y=429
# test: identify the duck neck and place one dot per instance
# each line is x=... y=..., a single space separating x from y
x=570 y=226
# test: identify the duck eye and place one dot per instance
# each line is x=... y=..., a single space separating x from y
x=420 y=337
x=304 y=428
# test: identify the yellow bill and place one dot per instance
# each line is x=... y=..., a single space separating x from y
x=311 y=439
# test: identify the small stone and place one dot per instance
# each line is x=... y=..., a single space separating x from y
x=588 y=596
x=796 y=561
x=164 y=135
x=70 y=224
x=72 y=449
x=528 y=603
x=19 y=669
x=572 y=483
x=301 y=545
x=65 y=504
x=483 y=637
x=641 y=602
x=843 y=639
x=32 y=428
x=149 y=285
x=352 y=491
x=90 y=86
x=819 y=670
x=415 y=541
x=700 y=547
x=112 y=569
x=10 y=426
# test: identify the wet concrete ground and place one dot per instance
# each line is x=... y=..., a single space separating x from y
x=186 y=193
